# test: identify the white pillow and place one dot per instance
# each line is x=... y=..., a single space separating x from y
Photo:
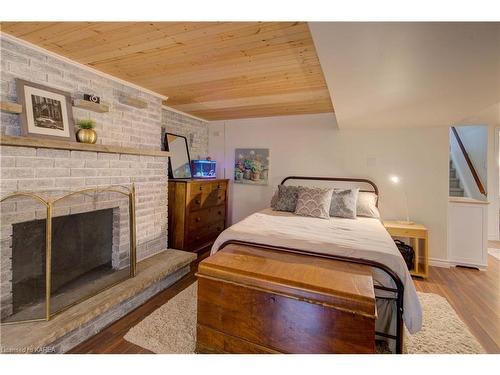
x=367 y=205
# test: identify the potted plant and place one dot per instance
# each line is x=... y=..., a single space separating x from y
x=86 y=132
x=256 y=170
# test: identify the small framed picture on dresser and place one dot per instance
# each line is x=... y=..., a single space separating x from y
x=47 y=112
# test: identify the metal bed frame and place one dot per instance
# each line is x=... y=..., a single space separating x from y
x=399 y=290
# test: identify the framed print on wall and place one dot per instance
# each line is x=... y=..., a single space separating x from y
x=47 y=112
x=251 y=166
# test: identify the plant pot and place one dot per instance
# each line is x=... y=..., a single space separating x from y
x=255 y=176
x=86 y=136
x=246 y=174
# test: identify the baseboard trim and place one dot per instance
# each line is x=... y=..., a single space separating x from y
x=443 y=263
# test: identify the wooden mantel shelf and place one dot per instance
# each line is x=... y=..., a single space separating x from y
x=8 y=140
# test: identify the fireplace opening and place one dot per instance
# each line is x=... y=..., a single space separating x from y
x=85 y=259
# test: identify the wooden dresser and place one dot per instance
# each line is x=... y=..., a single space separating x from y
x=196 y=213
x=252 y=300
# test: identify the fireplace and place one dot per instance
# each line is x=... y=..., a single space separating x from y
x=88 y=238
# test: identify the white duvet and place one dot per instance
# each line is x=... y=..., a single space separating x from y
x=360 y=238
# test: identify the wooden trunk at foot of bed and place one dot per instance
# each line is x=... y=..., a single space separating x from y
x=252 y=300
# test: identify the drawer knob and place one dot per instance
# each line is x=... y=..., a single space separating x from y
x=218 y=186
x=201 y=187
x=197 y=201
x=219 y=197
x=220 y=212
x=198 y=219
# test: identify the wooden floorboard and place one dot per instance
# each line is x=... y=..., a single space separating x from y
x=474 y=294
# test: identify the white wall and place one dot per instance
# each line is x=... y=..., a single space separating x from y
x=311 y=145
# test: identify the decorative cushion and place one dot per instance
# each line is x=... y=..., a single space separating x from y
x=314 y=202
x=274 y=199
x=344 y=203
x=287 y=198
x=367 y=205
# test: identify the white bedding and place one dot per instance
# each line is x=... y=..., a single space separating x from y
x=364 y=238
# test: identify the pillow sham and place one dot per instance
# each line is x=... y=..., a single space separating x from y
x=367 y=205
x=344 y=203
x=314 y=202
x=287 y=198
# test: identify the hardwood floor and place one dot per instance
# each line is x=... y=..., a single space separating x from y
x=475 y=295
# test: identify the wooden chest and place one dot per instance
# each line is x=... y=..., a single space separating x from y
x=196 y=213
x=252 y=300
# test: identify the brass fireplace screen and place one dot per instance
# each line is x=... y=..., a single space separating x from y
x=45 y=287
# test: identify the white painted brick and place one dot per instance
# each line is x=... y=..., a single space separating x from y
x=119 y=164
x=17 y=173
x=17 y=151
x=52 y=172
x=34 y=162
x=8 y=185
x=38 y=184
x=96 y=164
x=83 y=155
x=69 y=163
x=7 y=161
x=93 y=181
x=107 y=172
x=106 y=156
x=83 y=172
x=70 y=182
x=130 y=157
x=51 y=153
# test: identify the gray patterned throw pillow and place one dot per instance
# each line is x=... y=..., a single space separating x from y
x=314 y=202
x=287 y=198
x=344 y=203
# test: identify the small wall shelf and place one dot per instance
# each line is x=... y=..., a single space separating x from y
x=95 y=107
x=11 y=107
x=134 y=102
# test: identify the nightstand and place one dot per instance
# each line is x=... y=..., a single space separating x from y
x=417 y=235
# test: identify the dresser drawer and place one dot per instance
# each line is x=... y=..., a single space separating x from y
x=210 y=195
x=206 y=216
x=204 y=234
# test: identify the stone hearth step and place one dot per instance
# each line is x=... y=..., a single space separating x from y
x=84 y=320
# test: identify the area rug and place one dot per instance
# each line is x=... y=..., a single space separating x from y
x=171 y=329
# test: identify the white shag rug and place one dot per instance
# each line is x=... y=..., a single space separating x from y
x=171 y=329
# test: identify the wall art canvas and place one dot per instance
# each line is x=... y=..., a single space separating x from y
x=47 y=112
x=251 y=166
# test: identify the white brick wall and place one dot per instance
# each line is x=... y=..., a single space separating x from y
x=195 y=131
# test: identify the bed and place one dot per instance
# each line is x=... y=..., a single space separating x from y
x=362 y=241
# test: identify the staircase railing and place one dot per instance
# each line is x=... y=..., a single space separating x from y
x=479 y=184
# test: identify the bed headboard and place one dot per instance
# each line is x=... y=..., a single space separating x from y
x=336 y=182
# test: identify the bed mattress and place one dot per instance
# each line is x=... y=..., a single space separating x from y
x=363 y=238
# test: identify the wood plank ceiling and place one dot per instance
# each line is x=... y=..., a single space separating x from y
x=213 y=70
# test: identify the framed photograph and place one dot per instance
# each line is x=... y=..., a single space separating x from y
x=251 y=166
x=47 y=112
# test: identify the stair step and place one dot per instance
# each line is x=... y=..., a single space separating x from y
x=456 y=192
x=453 y=173
x=454 y=183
